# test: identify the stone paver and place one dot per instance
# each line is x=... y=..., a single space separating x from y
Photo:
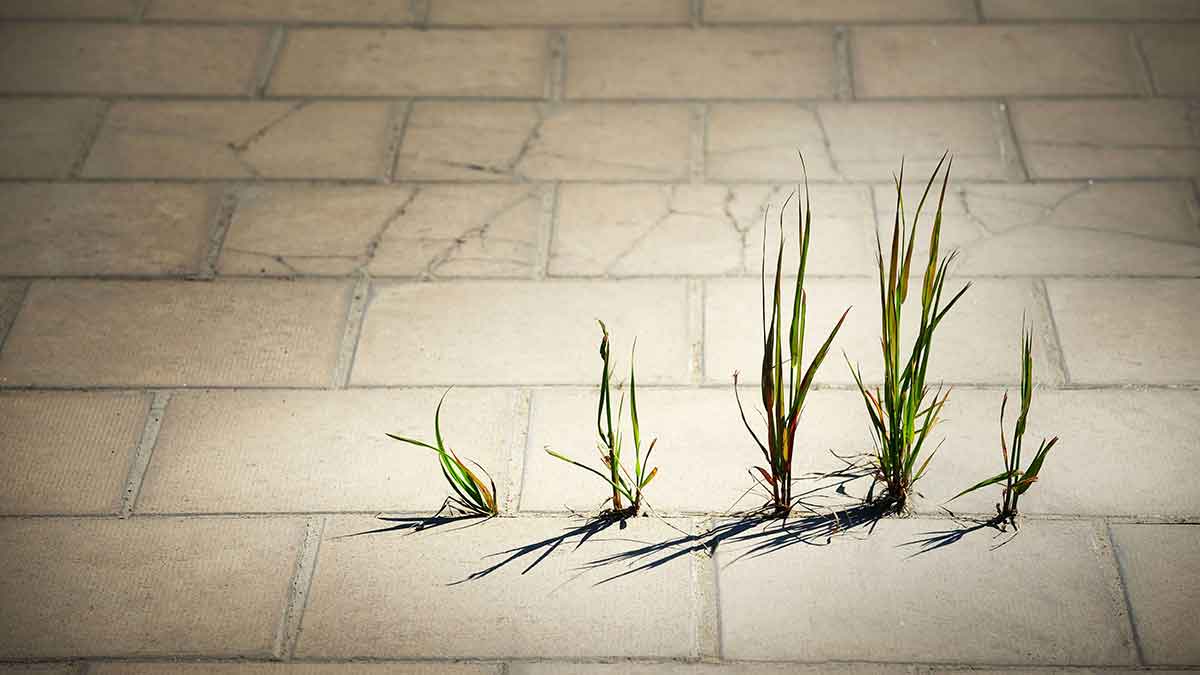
x=773 y=11
x=79 y=229
x=992 y=61
x=81 y=333
x=428 y=230
x=395 y=668
x=526 y=141
x=68 y=9
x=685 y=63
x=1158 y=563
x=182 y=572
x=1090 y=9
x=410 y=338
x=275 y=139
x=410 y=62
x=575 y=12
x=68 y=452
x=115 y=59
x=301 y=11
x=857 y=141
x=1096 y=139
x=1103 y=325
x=1089 y=229
x=269 y=451
x=400 y=589
x=1017 y=610
x=44 y=138
x=1168 y=50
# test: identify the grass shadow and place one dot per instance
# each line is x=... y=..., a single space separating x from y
x=413 y=524
x=928 y=542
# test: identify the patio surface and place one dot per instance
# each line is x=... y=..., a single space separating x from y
x=240 y=240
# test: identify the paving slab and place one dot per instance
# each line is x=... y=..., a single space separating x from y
x=180 y=574
x=1159 y=564
x=293 y=668
x=400 y=590
x=44 y=138
x=68 y=452
x=289 y=451
x=404 y=62
x=485 y=230
x=69 y=9
x=1045 y=597
x=261 y=139
x=1119 y=331
x=708 y=63
x=1168 y=50
x=526 y=141
x=410 y=338
x=117 y=59
x=772 y=11
x=552 y=12
x=86 y=333
x=61 y=229
x=299 y=11
x=1090 y=9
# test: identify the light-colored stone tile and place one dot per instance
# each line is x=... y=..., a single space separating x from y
x=992 y=61
x=400 y=590
x=519 y=332
x=44 y=138
x=1168 y=50
x=1086 y=229
x=293 y=668
x=412 y=63
x=773 y=11
x=708 y=63
x=68 y=9
x=67 y=452
x=320 y=11
x=68 y=586
x=1095 y=139
x=1127 y=330
x=973 y=344
x=557 y=12
x=525 y=141
x=857 y=141
x=264 y=451
x=205 y=139
x=112 y=58
x=429 y=230
x=79 y=229
x=1044 y=597
x=1159 y=564
x=250 y=333
x=651 y=229
x=1090 y=9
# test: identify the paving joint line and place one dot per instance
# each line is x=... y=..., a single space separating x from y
x=288 y=632
x=1118 y=587
x=547 y=230
x=91 y=135
x=696 y=13
x=843 y=64
x=980 y=15
x=706 y=606
x=1145 y=73
x=143 y=452
x=518 y=449
x=1058 y=352
x=420 y=10
x=218 y=230
x=399 y=114
x=7 y=328
x=356 y=311
x=1010 y=136
x=697 y=140
x=696 y=300
x=556 y=66
x=139 y=12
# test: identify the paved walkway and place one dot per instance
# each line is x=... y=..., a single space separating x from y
x=242 y=239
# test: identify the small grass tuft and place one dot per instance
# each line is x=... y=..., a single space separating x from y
x=471 y=495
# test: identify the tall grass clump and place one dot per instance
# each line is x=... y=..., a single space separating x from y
x=1016 y=481
x=905 y=410
x=785 y=383
x=471 y=495
x=626 y=485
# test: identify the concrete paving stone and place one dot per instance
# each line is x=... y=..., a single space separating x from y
x=427 y=230
x=1128 y=330
x=57 y=229
x=992 y=61
x=409 y=337
x=707 y=63
x=975 y=344
x=124 y=59
x=249 y=333
x=771 y=11
x=300 y=11
x=68 y=452
x=1085 y=229
x=1168 y=50
x=857 y=141
x=653 y=229
x=405 y=62
x=1042 y=598
x=1159 y=564
x=293 y=668
x=1098 y=139
x=557 y=12
x=144 y=586
x=525 y=141
x=268 y=139
x=44 y=138
x=68 y=9
x=399 y=593
x=1090 y=9
x=271 y=451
